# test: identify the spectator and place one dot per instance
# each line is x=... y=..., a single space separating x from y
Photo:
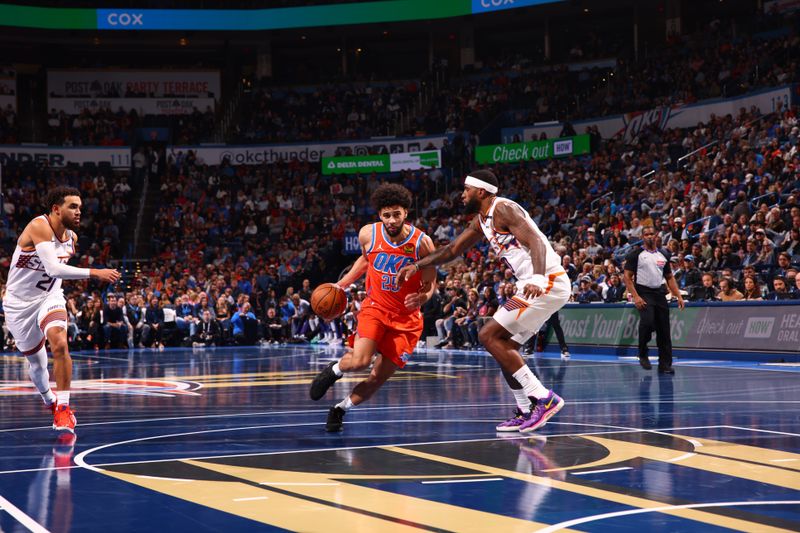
x=780 y=290
x=136 y=320
x=690 y=276
x=752 y=289
x=586 y=293
x=208 y=331
x=705 y=292
x=154 y=325
x=276 y=329
x=115 y=331
x=616 y=290
x=245 y=326
x=301 y=315
x=727 y=292
x=796 y=289
x=185 y=318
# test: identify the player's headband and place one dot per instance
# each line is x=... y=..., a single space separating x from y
x=480 y=184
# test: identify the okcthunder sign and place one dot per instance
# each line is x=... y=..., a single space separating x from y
x=125 y=386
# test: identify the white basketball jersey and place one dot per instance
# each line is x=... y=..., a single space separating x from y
x=27 y=279
x=513 y=253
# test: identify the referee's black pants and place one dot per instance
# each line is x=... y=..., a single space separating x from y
x=655 y=317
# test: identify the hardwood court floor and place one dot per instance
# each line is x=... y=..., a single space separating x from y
x=227 y=440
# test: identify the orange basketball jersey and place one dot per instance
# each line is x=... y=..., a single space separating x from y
x=385 y=260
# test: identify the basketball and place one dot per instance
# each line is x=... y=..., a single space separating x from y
x=328 y=301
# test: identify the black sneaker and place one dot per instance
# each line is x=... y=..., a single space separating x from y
x=668 y=370
x=335 y=417
x=323 y=382
x=645 y=362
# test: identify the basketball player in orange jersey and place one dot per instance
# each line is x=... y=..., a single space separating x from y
x=34 y=301
x=542 y=289
x=390 y=321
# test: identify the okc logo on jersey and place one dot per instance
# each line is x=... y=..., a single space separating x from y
x=390 y=263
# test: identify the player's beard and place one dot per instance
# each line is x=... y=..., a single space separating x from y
x=71 y=224
x=393 y=232
x=472 y=206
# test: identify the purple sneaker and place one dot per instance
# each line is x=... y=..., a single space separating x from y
x=543 y=411
x=513 y=423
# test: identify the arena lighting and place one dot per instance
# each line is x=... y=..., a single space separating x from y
x=250 y=19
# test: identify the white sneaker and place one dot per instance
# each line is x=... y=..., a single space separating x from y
x=565 y=354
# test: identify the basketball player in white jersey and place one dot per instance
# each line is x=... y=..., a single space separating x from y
x=34 y=301
x=542 y=289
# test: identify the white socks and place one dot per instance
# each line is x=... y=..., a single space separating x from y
x=533 y=387
x=40 y=376
x=337 y=370
x=63 y=397
x=523 y=402
x=345 y=404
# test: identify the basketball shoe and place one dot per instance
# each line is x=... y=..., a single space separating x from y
x=335 y=418
x=542 y=412
x=513 y=423
x=323 y=382
x=64 y=419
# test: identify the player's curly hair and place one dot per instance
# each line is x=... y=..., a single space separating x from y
x=389 y=195
x=56 y=196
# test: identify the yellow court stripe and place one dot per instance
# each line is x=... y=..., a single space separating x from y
x=633 y=501
x=753 y=454
x=280 y=510
x=719 y=465
x=416 y=510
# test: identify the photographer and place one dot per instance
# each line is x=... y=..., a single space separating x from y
x=208 y=331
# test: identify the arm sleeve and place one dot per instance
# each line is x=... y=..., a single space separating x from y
x=54 y=268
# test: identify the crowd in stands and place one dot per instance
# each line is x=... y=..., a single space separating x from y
x=238 y=249
x=106 y=127
x=714 y=62
x=341 y=111
x=106 y=199
x=106 y=204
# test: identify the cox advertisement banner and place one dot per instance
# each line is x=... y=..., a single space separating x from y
x=629 y=125
x=533 y=150
x=133 y=83
x=381 y=163
x=742 y=327
x=117 y=157
x=143 y=106
x=333 y=14
x=311 y=153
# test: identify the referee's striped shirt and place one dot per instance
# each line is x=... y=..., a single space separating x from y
x=649 y=269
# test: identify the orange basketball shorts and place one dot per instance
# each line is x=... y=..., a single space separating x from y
x=396 y=334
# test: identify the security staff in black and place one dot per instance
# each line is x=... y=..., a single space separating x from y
x=646 y=272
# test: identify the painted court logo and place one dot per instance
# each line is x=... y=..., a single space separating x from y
x=759 y=327
x=126 y=386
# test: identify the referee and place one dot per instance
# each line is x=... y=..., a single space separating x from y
x=646 y=272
